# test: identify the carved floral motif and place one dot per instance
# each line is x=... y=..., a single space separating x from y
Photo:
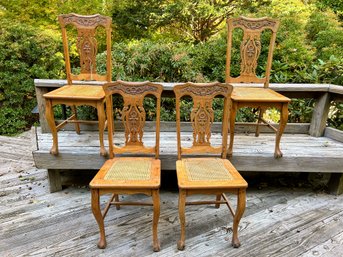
x=202 y=117
x=133 y=116
x=133 y=90
x=254 y=25
x=86 y=21
x=205 y=90
x=250 y=52
x=87 y=47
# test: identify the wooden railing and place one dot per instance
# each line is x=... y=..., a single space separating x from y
x=323 y=94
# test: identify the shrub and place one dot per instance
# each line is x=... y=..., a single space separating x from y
x=25 y=54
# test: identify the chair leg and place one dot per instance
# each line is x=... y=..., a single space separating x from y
x=156 y=216
x=218 y=197
x=260 y=116
x=101 y=119
x=182 y=205
x=98 y=217
x=77 y=125
x=49 y=114
x=283 y=122
x=116 y=198
x=232 y=127
x=241 y=201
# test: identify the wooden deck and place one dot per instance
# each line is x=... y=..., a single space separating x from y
x=308 y=147
x=284 y=215
x=302 y=152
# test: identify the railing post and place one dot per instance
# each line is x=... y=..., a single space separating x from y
x=320 y=115
x=40 y=91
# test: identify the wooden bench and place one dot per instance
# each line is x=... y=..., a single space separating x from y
x=310 y=147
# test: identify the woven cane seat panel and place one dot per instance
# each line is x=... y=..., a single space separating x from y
x=129 y=170
x=212 y=169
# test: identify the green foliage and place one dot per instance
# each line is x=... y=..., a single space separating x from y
x=301 y=110
x=336 y=115
x=43 y=13
x=25 y=54
x=336 y=6
x=170 y=41
x=136 y=19
x=188 y=21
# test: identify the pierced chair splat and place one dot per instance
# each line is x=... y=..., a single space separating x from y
x=76 y=93
x=137 y=170
x=254 y=96
x=212 y=173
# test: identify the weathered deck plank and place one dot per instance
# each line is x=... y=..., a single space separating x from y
x=278 y=221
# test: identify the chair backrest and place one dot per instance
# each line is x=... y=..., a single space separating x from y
x=87 y=45
x=133 y=115
x=250 y=48
x=202 y=116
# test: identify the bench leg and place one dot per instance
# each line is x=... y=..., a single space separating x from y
x=54 y=180
x=336 y=183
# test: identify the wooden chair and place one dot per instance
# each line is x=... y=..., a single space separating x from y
x=75 y=95
x=206 y=175
x=255 y=97
x=129 y=175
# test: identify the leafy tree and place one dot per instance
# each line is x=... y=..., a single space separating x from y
x=44 y=13
x=135 y=19
x=335 y=5
x=192 y=20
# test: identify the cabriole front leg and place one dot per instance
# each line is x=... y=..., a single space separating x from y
x=49 y=114
x=241 y=201
x=98 y=217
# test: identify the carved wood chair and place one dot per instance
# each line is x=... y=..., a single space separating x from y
x=213 y=174
x=255 y=97
x=76 y=95
x=129 y=174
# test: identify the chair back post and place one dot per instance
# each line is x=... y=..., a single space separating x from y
x=110 y=122
x=250 y=48
x=202 y=116
x=228 y=51
x=109 y=52
x=133 y=115
x=158 y=121
x=178 y=122
x=270 y=52
x=87 y=45
x=225 y=123
x=65 y=49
